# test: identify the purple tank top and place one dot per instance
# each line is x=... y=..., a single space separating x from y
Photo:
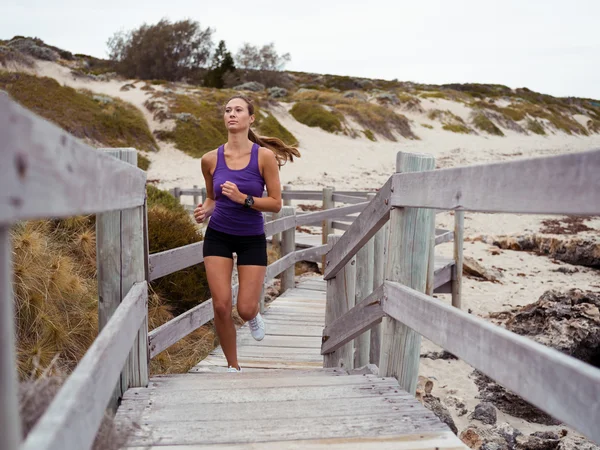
x=228 y=216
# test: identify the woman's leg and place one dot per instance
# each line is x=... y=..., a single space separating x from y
x=218 y=273
x=251 y=279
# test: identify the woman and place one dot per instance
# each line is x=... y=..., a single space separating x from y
x=236 y=175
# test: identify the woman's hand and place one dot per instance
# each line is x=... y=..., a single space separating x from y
x=200 y=213
x=231 y=191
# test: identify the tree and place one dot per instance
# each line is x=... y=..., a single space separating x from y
x=168 y=51
x=222 y=62
x=265 y=58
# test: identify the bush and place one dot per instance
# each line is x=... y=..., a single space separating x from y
x=165 y=50
x=369 y=135
x=315 y=115
x=143 y=162
x=270 y=126
x=450 y=121
x=457 y=128
x=481 y=122
x=379 y=119
x=265 y=58
x=535 y=127
x=114 y=124
x=11 y=55
x=31 y=48
x=593 y=125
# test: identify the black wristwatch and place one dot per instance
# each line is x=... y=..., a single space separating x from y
x=249 y=201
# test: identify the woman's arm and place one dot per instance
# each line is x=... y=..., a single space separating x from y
x=270 y=172
x=204 y=211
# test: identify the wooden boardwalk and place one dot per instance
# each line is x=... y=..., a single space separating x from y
x=283 y=398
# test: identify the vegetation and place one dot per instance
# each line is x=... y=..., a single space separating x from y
x=106 y=121
x=270 y=126
x=369 y=135
x=265 y=58
x=314 y=114
x=457 y=128
x=535 y=127
x=426 y=125
x=222 y=64
x=481 y=122
x=165 y=50
x=450 y=121
x=143 y=162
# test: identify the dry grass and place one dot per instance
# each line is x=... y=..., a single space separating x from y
x=481 y=122
x=314 y=114
x=450 y=121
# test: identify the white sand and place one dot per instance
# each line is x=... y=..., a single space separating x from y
x=346 y=163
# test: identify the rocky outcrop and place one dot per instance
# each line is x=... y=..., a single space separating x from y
x=423 y=394
x=253 y=86
x=473 y=268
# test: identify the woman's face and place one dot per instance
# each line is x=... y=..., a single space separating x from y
x=237 y=116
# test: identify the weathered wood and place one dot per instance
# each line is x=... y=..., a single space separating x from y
x=556 y=383
x=45 y=172
x=310 y=254
x=379 y=258
x=133 y=270
x=288 y=245
x=334 y=213
x=343 y=198
x=374 y=215
x=364 y=286
x=10 y=422
x=280 y=265
x=279 y=225
x=169 y=261
x=409 y=241
x=74 y=416
x=459 y=230
x=358 y=319
x=302 y=195
x=340 y=295
x=561 y=184
x=344 y=226
x=179 y=327
x=429 y=283
x=442 y=236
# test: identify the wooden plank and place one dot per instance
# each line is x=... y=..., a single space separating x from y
x=442 y=274
x=45 y=172
x=364 y=227
x=294 y=330
x=280 y=265
x=279 y=225
x=344 y=198
x=335 y=213
x=409 y=242
x=311 y=253
x=279 y=429
x=288 y=245
x=67 y=424
x=10 y=422
x=380 y=250
x=179 y=327
x=353 y=323
x=169 y=261
x=457 y=269
x=554 y=382
x=301 y=195
x=364 y=286
x=217 y=372
x=313 y=342
x=440 y=440
x=344 y=226
x=326 y=229
x=560 y=184
x=442 y=236
x=263 y=363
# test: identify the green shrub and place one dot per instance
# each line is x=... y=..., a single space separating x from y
x=450 y=121
x=112 y=124
x=481 y=122
x=426 y=125
x=143 y=162
x=433 y=95
x=378 y=118
x=170 y=226
x=315 y=115
x=456 y=128
x=535 y=127
x=369 y=135
x=270 y=126
x=515 y=114
x=593 y=125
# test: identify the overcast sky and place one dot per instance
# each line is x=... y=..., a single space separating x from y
x=551 y=46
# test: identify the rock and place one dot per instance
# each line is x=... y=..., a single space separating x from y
x=485 y=412
x=474 y=268
x=576 y=443
x=301 y=90
x=508 y=433
x=423 y=394
x=567 y=270
x=546 y=435
x=184 y=117
x=253 y=86
x=355 y=95
x=103 y=99
x=277 y=92
x=457 y=403
x=127 y=87
x=387 y=97
x=535 y=443
x=492 y=446
x=439 y=355
x=471 y=437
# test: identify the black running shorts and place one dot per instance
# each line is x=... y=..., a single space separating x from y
x=250 y=250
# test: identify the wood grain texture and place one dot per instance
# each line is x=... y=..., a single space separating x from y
x=409 y=241
x=335 y=213
x=340 y=299
x=45 y=172
x=457 y=269
x=310 y=254
x=170 y=261
x=344 y=198
x=362 y=229
x=288 y=246
x=74 y=416
x=10 y=422
x=561 y=184
x=379 y=258
x=558 y=384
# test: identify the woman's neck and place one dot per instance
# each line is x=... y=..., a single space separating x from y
x=237 y=142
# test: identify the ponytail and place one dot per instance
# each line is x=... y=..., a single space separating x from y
x=283 y=152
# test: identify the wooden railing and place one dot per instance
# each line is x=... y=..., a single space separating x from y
x=560 y=385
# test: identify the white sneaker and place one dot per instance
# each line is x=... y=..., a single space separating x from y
x=257 y=327
x=233 y=369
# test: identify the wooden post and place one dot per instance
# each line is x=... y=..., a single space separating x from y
x=431 y=258
x=288 y=245
x=121 y=262
x=326 y=227
x=287 y=201
x=457 y=269
x=276 y=240
x=408 y=248
x=379 y=258
x=177 y=193
x=364 y=286
x=340 y=295
x=196 y=196
x=203 y=192
x=10 y=422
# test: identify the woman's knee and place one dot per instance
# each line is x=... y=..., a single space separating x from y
x=222 y=310
x=247 y=310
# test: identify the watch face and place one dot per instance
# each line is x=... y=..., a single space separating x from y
x=249 y=201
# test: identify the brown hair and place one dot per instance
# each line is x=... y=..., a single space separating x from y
x=283 y=152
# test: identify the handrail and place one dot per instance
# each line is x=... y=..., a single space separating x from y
x=46 y=172
x=560 y=184
x=75 y=414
